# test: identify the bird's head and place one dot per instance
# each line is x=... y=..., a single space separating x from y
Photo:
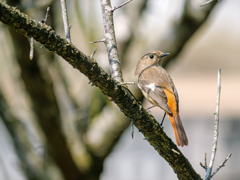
x=149 y=59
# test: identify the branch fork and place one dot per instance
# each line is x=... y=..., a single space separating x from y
x=208 y=169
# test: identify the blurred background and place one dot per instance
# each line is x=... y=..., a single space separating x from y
x=54 y=125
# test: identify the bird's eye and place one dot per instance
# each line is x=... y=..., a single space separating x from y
x=151 y=56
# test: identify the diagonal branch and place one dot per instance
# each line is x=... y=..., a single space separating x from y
x=222 y=164
x=192 y=19
x=120 y=95
x=121 y=5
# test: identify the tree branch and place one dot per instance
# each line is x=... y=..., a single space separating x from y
x=216 y=131
x=65 y=20
x=110 y=41
x=31 y=48
x=215 y=139
x=221 y=165
x=120 y=95
x=121 y=5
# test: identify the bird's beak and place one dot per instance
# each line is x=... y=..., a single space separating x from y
x=164 y=54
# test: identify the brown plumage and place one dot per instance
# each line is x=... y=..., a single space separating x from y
x=157 y=86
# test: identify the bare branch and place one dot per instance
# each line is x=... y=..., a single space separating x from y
x=95 y=50
x=65 y=20
x=215 y=139
x=127 y=83
x=101 y=40
x=44 y=21
x=132 y=128
x=123 y=4
x=205 y=165
x=221 y=165
x=31 y=47
x=175 y=151
x=207 y=3
x=206 y=162
x=111 y=45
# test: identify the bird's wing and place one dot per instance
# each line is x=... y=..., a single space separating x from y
x=150 y=84
x=176 y=95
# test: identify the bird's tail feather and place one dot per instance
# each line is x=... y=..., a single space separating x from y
x=178 y=129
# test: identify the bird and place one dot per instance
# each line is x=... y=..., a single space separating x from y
x=158 y=88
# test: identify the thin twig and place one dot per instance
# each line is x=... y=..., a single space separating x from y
x=31 y=47
x=206 y=162
x=121 y=5
x=173 y=150
x=95 y=50
x=205 y=165
x=44 y=21
x=65 y=20
x=215 y=139
x=221 y=165
x=127 y=83
x=206 y=3
x=132 y=127
x=101 y=40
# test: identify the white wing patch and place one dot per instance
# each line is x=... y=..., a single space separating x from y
x=151 y=86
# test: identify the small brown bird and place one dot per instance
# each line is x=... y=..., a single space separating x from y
x=157 y=86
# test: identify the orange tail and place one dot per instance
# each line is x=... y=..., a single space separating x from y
x=178 y=129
